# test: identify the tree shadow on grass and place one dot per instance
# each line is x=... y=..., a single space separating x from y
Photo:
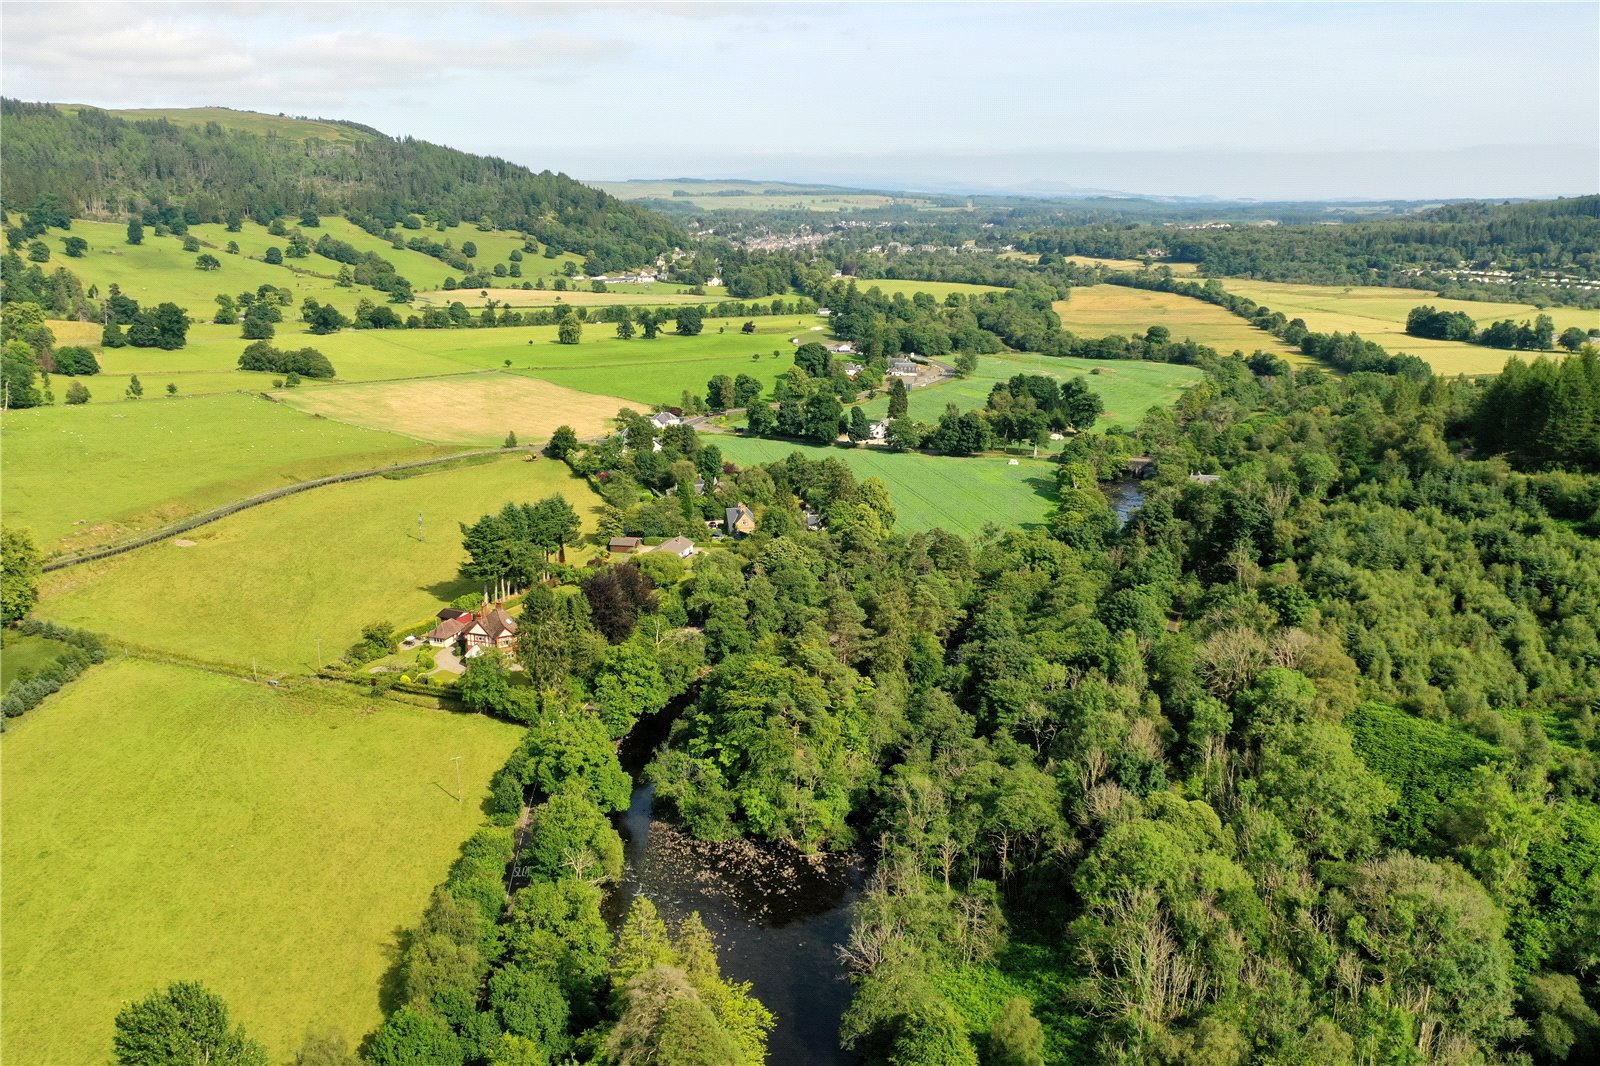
x=392 y=987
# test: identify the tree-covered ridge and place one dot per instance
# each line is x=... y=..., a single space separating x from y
x=94 y=162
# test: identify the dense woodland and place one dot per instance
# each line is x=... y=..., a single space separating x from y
x=94 y=162
x=1297 y=766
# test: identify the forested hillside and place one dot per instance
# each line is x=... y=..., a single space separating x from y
x=93 y=162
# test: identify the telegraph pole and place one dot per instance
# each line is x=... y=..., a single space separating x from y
x=457 y=761
x=420 y=537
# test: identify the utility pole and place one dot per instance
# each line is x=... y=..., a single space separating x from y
x=420 y=536
x=457 y=761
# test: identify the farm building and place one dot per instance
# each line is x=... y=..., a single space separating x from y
x=741 y=520
x=624 y=545
x=842 y=348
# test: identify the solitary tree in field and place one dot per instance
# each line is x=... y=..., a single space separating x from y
x=135 y=231
x=135 y=390
x=691 y=320
x=570 y=331
x=172 y=389
x=184 y=1025
x=75 y=247
x=77 y=393
x=207 y=261
x=625 y=330
x=511 y=439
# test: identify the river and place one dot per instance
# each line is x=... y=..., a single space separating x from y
x=1126 y=495
x=778 y=917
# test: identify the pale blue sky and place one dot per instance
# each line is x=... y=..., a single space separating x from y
x=1255 y=100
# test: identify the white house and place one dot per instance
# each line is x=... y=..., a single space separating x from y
x=852 y=369
x=682 y=547
x=879 y=430
x=823 y=312
x=663 y=419
x=904 y=369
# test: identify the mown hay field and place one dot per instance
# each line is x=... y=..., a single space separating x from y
x=165 y=823
x=264 y=586
x=466 y=409
x=1103 y=310
x=1379 y=314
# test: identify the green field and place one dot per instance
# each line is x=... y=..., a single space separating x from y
x=937 y=289
x=263 y=586
x=86 y=475
x=159 y=270
x=657 y=294
x=1379 y=314
x=1104 y=310
x=654 y=371
x=929 y=492
x=165 y=824
x=298 y=129
x=22 y=652
x=1128 y=387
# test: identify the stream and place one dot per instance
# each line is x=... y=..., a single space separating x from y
x=778 y=916
x=1126 y=495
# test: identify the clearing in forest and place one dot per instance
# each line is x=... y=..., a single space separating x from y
x=1103 y=310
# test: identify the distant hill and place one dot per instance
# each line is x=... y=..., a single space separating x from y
x=206 y=164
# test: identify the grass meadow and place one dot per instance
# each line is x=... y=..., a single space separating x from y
x=159 y=270
x=1379 y=314
x=1103 y=310
x=88 y=474
x=937 y=289
x=1128 y=387
x=1132 y=264
x=265 y=585
x=23 y=652
x=467 y=409
x=653 y=295
x=929 y=492
x=165 y=823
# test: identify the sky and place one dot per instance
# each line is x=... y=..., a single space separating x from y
x=1246 y=100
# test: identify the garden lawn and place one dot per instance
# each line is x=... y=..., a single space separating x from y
x=264 y=585
x=164 y=824
x=1379 y=314
x=89 y=474
x=928 y=492
x=1128 y=387
x=469 y=409
x=1103 y=310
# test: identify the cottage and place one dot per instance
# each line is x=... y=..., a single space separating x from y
x=823 y=312
x=663 y=419
x=879 y=430
x=452 y=620
x=491 y=627
x=741 y=520
x=842 y=348
x=682 y=547
x=813 y=519
x=852 y=369
x=624 y=545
